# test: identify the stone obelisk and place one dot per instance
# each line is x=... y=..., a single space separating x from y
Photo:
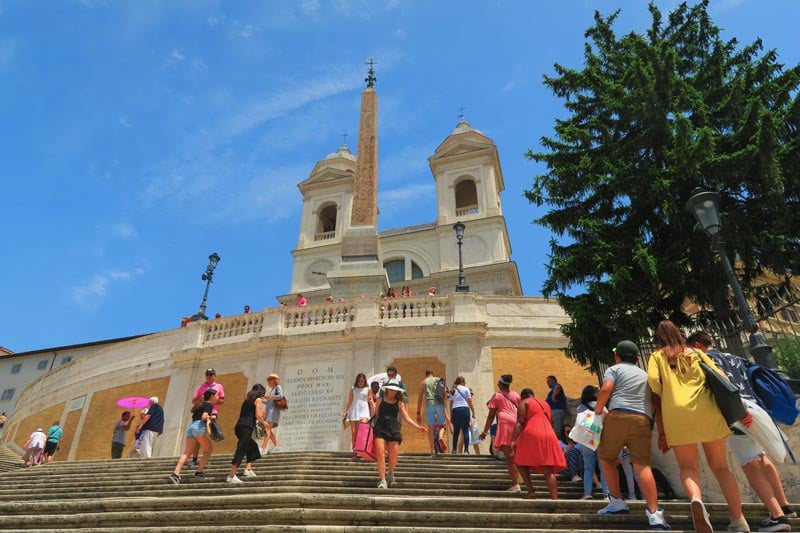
x=361 y=272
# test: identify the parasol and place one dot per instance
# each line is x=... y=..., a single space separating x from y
x=133 y=402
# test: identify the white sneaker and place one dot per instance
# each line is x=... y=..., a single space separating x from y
x=263 y=451
x=576 y=478
x=700 y=517
x=656 y=520
x=249 y=473
x=277 y=449
x=616 y=506
x=233 y=479
x=383 y=485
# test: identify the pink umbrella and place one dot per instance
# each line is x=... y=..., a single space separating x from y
x=133 y=402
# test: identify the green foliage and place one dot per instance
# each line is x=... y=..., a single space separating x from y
x=787 y=353
x=651 y=117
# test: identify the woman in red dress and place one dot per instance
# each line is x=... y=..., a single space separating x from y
x=535 y=444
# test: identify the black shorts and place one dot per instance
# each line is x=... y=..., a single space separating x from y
x=50 y=448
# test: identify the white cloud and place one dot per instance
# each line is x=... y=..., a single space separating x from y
x=124 y=230
x=283 y=103
x=309 y=6
x=92 y=292
x=124 y=122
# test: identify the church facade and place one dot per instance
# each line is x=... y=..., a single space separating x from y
x=344 y=267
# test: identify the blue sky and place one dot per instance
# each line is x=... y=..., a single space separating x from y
x=138 y=137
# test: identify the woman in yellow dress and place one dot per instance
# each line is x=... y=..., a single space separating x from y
x=688 y=415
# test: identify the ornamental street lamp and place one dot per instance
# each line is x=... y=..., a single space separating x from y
x=462 y=283
x=208 y=277
x=705 y=207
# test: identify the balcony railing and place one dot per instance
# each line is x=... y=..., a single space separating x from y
x=302 y=317
x=400 y=308
x=224 y=328
x=467 y=210
x=325 y=236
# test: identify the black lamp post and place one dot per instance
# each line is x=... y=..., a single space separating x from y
x=705 y=207
x=208 y=277
x=462 y=283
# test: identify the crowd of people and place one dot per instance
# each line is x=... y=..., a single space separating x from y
x=529 y=434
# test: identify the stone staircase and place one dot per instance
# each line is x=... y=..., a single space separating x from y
x=304 y=491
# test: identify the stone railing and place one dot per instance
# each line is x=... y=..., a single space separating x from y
x=400 y=308
x=226 y=328
x=467 y=210
x=300 y=317
x=325 y=236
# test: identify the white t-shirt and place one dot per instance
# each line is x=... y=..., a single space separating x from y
x=38 y=439
x=460 y=397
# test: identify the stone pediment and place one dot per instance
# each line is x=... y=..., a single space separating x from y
x=469 y=143
x=327 y=175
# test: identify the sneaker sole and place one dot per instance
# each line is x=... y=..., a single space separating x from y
x=701 y=523
x=775 y=527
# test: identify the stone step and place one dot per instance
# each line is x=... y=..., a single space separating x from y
x=307 y=491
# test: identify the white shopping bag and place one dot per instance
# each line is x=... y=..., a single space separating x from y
x=587 y=429
x=764 y=431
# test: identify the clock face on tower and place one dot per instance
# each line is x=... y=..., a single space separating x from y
x=316 y=273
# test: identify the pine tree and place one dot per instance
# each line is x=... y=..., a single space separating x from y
x=650 y=117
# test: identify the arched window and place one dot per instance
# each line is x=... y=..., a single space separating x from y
x=466 y=197
x=326 y=225
x=396 y=270
x=416 y=271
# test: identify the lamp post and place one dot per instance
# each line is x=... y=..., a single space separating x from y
x=705 y=207
x=208 y=277
x=462 y=282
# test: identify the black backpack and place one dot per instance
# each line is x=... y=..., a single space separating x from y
x=440 y=392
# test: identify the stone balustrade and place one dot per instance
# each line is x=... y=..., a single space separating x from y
x=325 y=236
x=391 y=309
x=467 y=210
x=309 y=316
x=235 y=326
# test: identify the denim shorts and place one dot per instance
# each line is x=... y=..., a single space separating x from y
x=434 y=414
x=744 y=448
x=196 y=429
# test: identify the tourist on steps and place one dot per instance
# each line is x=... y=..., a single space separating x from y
x=357 y=408
x=504 y=405
x=250 y=414
x=197 y=435
x=387 y=433
x=626 y=397
x=461 y=413
x=535 y=444
x=272 y=414
x=686 y=414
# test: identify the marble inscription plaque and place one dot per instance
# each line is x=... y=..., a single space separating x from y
x=316 y=393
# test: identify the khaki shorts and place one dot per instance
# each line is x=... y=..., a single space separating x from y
x=622 y=429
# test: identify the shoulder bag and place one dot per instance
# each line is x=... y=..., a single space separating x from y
x=725 y=393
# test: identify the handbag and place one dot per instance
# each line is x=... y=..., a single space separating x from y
x=258 y=433
x=726 y=395
x=587 y=429
x=281 y=404
x=365 y=441
x=215 y=431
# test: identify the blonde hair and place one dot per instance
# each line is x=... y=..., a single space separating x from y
x=275 y=377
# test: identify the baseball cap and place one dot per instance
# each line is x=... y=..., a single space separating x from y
x=211 y=372
x=627 y=350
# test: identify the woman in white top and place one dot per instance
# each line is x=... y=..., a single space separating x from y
x=461 y=412
x=357 y=409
